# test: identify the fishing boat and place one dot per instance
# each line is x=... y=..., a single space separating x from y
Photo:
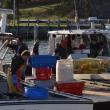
x=55 y=100
x=46 y=98
x=84 y=35
x=81 y=37
x=78 y=40
x=4 y=36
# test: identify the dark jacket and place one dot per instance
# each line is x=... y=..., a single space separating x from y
x=17 y=61
x=36 y=48
x=18 y=48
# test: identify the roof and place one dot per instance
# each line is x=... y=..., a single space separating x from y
x=80 y=31
x=6 y=11
x=5 y=34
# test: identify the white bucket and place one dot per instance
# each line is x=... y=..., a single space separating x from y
x=64 y=70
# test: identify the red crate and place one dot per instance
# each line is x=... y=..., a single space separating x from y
x=71 y=87
x=43 y=73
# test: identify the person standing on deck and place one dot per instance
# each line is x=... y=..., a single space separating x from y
x=69 y=44
x=93 y=48
x=19 y=47
x=36 y=48
x=18 y=72
x=17 y=61
x=60 y=52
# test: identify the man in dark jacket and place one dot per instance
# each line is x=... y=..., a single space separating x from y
x=17 y=60
x=60 y=52
x=36 y=48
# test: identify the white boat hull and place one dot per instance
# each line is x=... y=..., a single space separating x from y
x=104 y=76
x=46 y=106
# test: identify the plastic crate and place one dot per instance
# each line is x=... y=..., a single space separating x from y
x=43 y=73
x=37 y=93
x=71 y=87
x=89 y=66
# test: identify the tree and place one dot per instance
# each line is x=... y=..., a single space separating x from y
x=6 y=4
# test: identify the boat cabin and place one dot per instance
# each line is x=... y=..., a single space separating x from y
x=87 y=41
x=3 y=16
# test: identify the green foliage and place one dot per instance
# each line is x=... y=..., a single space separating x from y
x=57 y=9
x=7 y=4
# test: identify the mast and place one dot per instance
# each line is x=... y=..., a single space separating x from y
x=76 y=15
x=17 y=15
x=14 y=9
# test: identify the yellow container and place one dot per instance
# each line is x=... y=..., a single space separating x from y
x=89 y=66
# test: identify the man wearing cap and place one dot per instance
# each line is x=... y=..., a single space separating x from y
x=19 y=47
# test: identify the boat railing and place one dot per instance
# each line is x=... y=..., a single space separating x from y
x=4 y=54
x=3 y=45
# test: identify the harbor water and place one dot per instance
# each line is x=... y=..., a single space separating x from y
x=43 y=46
x=43 y=49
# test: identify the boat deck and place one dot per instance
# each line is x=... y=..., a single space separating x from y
x=89 y=96
x=97 y=96
x=54 y=98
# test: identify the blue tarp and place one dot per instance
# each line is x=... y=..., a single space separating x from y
x=43 y=61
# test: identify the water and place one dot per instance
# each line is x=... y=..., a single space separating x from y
x=43 y=49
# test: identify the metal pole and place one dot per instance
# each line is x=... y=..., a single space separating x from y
x=17 y=13
x=75 y=7
x=36 y=30
x=28 y=28
x=14 y=8
x=76 y=15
